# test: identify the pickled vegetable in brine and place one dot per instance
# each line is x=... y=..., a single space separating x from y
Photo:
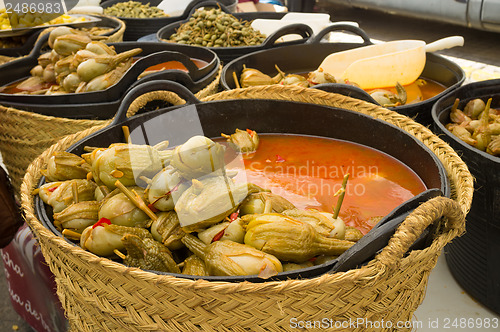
x=308 y=171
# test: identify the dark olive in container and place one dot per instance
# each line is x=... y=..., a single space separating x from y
x=473 y=258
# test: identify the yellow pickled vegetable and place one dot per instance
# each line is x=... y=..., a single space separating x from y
x=17 y=20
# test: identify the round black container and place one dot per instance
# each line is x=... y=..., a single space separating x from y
x=105 y=21
x=307 y=58
x=473 y=258
x=276 y=116
x=104 y=104
x=139 y=27
x=227 y=54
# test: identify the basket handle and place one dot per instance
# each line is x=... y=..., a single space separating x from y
x=316 y=39
x=304 y=30
x=151 y=86
x=413 y=226
x=41 y=41
x=346 y=90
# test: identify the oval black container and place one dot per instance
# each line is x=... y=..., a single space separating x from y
x=270 y=116
x=26 y=48
x=227 y=54
x=104 y=104
x=473 y=258
x=139 y=27
x=307 y=58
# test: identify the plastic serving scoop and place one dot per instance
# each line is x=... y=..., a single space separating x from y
x=382 y=65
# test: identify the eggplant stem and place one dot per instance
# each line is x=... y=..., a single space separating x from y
x=126 y=134
x=119 y=254
x=268 y=208
x=71 y=234
x=136 y=199
x=455 y=105
x=145 y=179
x=341 y=194
x=74 y=189
x=235 y=78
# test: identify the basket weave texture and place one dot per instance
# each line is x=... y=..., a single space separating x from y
x=25 y=135
x=101 y=295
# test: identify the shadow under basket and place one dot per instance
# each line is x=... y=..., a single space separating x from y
x=473 y=259
x=102 y=295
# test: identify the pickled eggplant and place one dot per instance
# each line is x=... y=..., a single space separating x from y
x=246 y=141
x=256 y=203
x=167 y=230
x=228 y=230
x=103 y=238
x=228 y=258
x=128 y=162
x=209 y=200
x=61 y=195
x=197 y=157
x=66 y=166
x=165 y=188
x=148 y=254
x=195 y=266
x=289 y=239
x=120 y=210
x=78 y=216
x=477 y=125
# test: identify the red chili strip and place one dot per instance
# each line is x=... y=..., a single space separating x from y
x=101 y=222
x=152 y=208
x=234 y=216
x=219 y=235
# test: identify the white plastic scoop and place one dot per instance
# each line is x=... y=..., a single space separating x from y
x=382 y=65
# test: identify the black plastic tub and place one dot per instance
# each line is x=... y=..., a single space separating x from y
x=473 y=258
x=227 y=54
x=307 y=58
x=26 y=48
x=139 y=27
x=275 y=116
x=104 y=104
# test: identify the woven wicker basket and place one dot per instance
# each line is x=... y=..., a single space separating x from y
x=101 y=295
x=25 y=135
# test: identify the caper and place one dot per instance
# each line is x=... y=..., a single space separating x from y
x=220 y=27
x=134 y=9
x=214 y=28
